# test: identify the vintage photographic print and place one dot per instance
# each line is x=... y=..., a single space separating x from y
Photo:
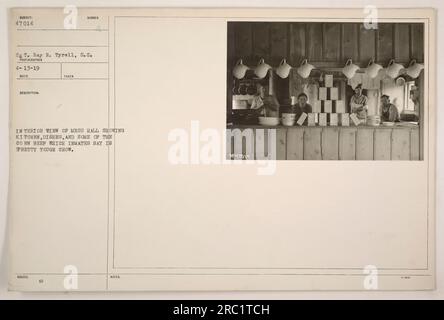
x=143 y=148
x=325 y=90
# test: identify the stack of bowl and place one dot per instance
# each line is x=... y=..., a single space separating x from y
x=288 y=119
x=373 y=120
x=268 y=121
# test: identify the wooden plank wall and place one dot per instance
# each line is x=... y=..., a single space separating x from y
x=326 y=44
x=329 y=143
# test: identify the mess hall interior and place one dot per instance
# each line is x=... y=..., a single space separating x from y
x=332 y=91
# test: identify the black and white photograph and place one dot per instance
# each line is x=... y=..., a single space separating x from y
x=325 y=90
x=147 y=154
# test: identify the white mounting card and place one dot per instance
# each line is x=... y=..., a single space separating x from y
x=119 y=178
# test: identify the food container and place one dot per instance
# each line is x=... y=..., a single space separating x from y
x=355 y=119
x=268 y=121
x=373 y=121
x=317 y=106
x=302 y=118
x=328 y=106
x=328 y=80
x=344 y=119
x=322 y=119
x=311 y=119
x=322 y=93
x=288 y=119
x=333 y=119
x=334 y=93
x=339 y=106
x=240 y=104
x=388 y=123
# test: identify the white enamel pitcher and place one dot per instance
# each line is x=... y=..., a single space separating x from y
x=239 y=70
x=305 y=69
x=350 y=69
x=372 y=69
x=393 y=69
x=414 y=69
x=283 y=70
x=262 y=69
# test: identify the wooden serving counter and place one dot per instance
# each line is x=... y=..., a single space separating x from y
x=400 y=142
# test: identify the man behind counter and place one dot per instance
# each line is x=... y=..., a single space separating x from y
x=389 y=112
x=264 y=103
x=300 y=107
x=358 y=103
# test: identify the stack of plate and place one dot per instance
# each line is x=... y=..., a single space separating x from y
x=373 y=120
x=288 y=119
x=268 y=121
x=239 y=104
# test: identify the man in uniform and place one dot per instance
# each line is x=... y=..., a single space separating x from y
x=389 y=112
